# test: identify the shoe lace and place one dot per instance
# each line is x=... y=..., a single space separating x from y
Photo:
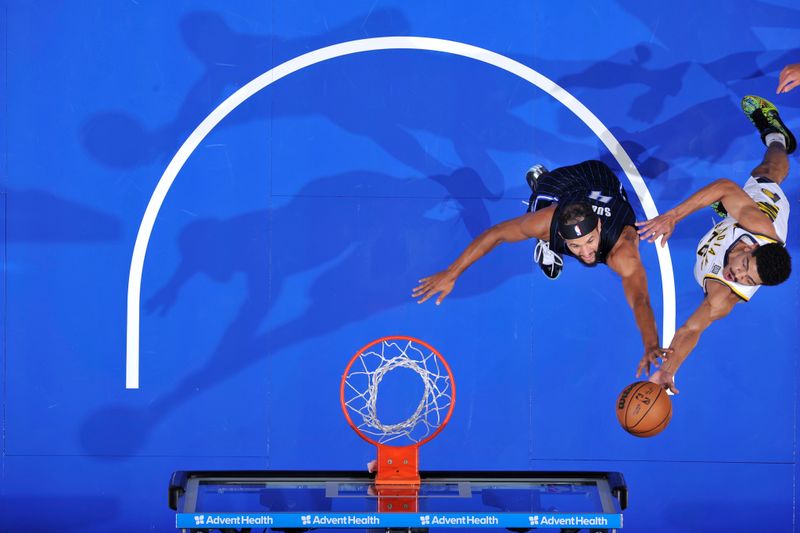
x=543 y=254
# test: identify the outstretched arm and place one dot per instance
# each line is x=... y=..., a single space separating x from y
x=717 y=304
x=529 y=225
x=625 y=261
x=738 y=204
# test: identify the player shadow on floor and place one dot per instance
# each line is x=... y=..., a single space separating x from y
x=396 y=111
x=231 y=59
x=748 y=22
x=652 y=68
x=393 y=107
x=119 y=139
x=371 y=257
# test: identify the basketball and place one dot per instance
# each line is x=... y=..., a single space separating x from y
x=644 y=409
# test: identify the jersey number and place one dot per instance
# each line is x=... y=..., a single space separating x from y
x=705 y=248
x=597 y=196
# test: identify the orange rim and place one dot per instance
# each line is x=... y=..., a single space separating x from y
x=379 y=341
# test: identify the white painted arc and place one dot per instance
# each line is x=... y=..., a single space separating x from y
x=354 y=47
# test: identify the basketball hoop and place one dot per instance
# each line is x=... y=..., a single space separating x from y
x=398 y=443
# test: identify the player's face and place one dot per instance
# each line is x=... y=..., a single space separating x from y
x=585 y=248
x=741 y=267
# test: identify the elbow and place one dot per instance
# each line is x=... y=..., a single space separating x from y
x=490 y=238
x=724 y=185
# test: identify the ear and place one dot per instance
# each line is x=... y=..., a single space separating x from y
x=750 y=248
x=599 y=224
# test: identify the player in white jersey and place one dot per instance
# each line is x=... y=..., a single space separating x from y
x=741 y=253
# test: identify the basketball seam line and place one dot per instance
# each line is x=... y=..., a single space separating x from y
x=645 y=413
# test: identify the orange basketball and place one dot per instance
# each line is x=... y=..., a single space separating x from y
x=644 y=409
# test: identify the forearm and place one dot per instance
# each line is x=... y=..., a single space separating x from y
x=646 y=322
x=682 y=345
x=706 y=196
x=688 y=335
x=482 y=245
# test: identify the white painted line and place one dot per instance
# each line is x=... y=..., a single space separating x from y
x=354 y=47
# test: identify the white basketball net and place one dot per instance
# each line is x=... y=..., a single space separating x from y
x=364 y=378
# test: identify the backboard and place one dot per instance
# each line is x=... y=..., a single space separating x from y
x=301 y=501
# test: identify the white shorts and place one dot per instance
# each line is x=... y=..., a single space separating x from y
x=772 y=201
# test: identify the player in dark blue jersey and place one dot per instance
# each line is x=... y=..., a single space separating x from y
x=580 y=210
x=591 y=183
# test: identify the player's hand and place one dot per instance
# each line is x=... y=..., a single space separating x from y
x=661 y=226
x=665 y=379
x=651 y=357
x=441 y=283
x=789 y=78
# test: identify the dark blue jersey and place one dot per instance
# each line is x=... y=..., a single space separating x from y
x=591 y=182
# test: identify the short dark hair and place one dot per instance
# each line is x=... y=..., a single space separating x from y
x=574 y=213
x=773 y=263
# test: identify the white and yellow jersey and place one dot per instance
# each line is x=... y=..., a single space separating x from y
x=713 y=247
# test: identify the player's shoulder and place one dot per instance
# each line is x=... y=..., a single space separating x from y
x=537 y=223
x=720 y=296
x=628 y=236
x=624 y=257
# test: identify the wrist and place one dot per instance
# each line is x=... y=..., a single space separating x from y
x=454 y=270
x=669 y=367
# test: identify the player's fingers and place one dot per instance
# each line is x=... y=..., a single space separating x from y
x=644 y=366
x=786 y=81
x=422 y=283
x=419 y=290
x=645 y=223
x=672 y=388
x=425 y=297
x=439 y=300
x=645 y=228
